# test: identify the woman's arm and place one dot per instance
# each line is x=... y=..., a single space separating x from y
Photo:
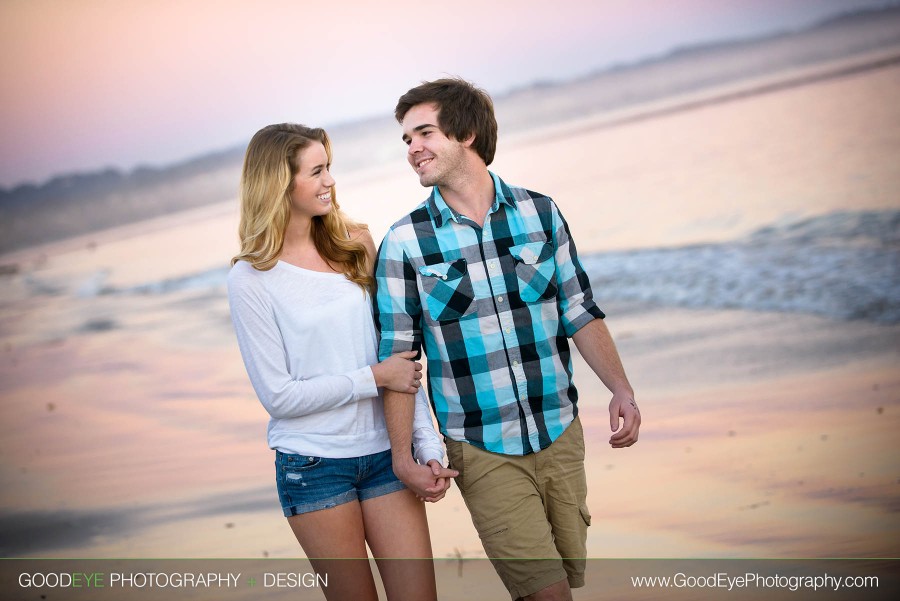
x=262 y=349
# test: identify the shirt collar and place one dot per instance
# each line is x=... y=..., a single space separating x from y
x=441 y=212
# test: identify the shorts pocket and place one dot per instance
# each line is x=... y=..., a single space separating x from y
x=585 y=514
x=294 y=467
x=293 y=474
x=535 y=271
x=493 y=528
x=448 y=290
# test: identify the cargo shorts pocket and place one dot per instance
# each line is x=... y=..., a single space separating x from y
x=585 y=514
x=492 y=530
x=448 y=290
x=535 y=271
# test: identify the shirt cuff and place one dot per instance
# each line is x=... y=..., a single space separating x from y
x=426 y=452
x=363 y=381
x=578 y=317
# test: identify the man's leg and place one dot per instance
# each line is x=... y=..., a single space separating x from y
x=507 y=509
x=555 y=592
x=561 y=478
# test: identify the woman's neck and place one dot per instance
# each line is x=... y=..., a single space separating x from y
x=300 y=249
x=298 y=234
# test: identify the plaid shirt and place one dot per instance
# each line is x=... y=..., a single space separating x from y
x=494 y=307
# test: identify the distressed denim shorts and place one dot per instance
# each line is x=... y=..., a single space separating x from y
x=307 y=483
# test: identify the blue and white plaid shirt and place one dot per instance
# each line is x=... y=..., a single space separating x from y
x=494 y=307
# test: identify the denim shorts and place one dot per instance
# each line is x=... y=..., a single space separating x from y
x=307 y=483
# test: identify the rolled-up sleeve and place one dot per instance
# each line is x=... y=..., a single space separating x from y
x=398 y=312
x=576 y=300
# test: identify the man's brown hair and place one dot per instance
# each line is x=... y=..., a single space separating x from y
x=463 y=110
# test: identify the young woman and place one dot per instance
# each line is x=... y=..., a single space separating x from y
x=300 y=302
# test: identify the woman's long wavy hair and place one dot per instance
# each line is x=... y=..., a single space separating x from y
x=270 y=165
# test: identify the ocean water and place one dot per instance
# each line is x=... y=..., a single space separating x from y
x=843 y=265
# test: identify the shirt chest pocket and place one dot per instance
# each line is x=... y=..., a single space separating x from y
x=447 y=289
x=535 y=271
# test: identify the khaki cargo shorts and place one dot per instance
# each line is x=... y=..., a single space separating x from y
x=530 y=511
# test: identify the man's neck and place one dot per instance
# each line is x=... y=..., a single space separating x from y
x=471 y=195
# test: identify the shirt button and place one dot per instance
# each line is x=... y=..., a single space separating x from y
x=508 y=330
x=523 y=398
x=493 y=265
x=515 y=363
x=499 y=299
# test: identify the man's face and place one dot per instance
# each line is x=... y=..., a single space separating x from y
x=433 y=156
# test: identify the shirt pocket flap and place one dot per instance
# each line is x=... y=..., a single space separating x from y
x=452 y=270
x=531 y=253
x=447 y=290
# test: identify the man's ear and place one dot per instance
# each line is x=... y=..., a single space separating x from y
x=469 y=141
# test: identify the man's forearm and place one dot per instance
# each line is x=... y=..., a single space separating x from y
x=399 y=409
x=596 y=345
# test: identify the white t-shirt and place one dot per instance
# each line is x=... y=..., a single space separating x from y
x=308 y=340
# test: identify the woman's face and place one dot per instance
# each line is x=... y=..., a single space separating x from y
x=311 y=196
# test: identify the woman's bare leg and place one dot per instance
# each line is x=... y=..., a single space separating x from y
x=397 y=532
x=334 y=540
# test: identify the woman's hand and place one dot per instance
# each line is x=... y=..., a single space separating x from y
x=399 y=373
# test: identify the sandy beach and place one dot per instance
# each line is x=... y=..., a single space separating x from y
x=128 y=427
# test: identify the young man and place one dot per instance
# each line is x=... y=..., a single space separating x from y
x=486 y=277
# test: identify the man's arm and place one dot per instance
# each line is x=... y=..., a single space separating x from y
x=429 y=482
x=583 y=321
x=397 y=317
x=596 y=345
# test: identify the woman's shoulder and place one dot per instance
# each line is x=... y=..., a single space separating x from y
x=244 y=277
x=248 y=287
x=241 y=270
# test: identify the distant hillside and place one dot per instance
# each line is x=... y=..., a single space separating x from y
x=76 y=204
x=71 y=205
x=696 y=68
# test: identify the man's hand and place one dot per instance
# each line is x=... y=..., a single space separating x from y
x=622 y=406
x=596 y=345
x=443 y=477
x=428 y=482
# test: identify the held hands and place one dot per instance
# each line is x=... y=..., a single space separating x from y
x=399 y=373
x=442 y=481
x=623 y=406
x=428 y=482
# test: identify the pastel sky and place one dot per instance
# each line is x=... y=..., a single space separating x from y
x=88 y=84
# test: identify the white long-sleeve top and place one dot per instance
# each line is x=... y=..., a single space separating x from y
x=308 y=340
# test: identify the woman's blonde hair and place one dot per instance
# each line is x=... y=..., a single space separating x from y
x=270 y=165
